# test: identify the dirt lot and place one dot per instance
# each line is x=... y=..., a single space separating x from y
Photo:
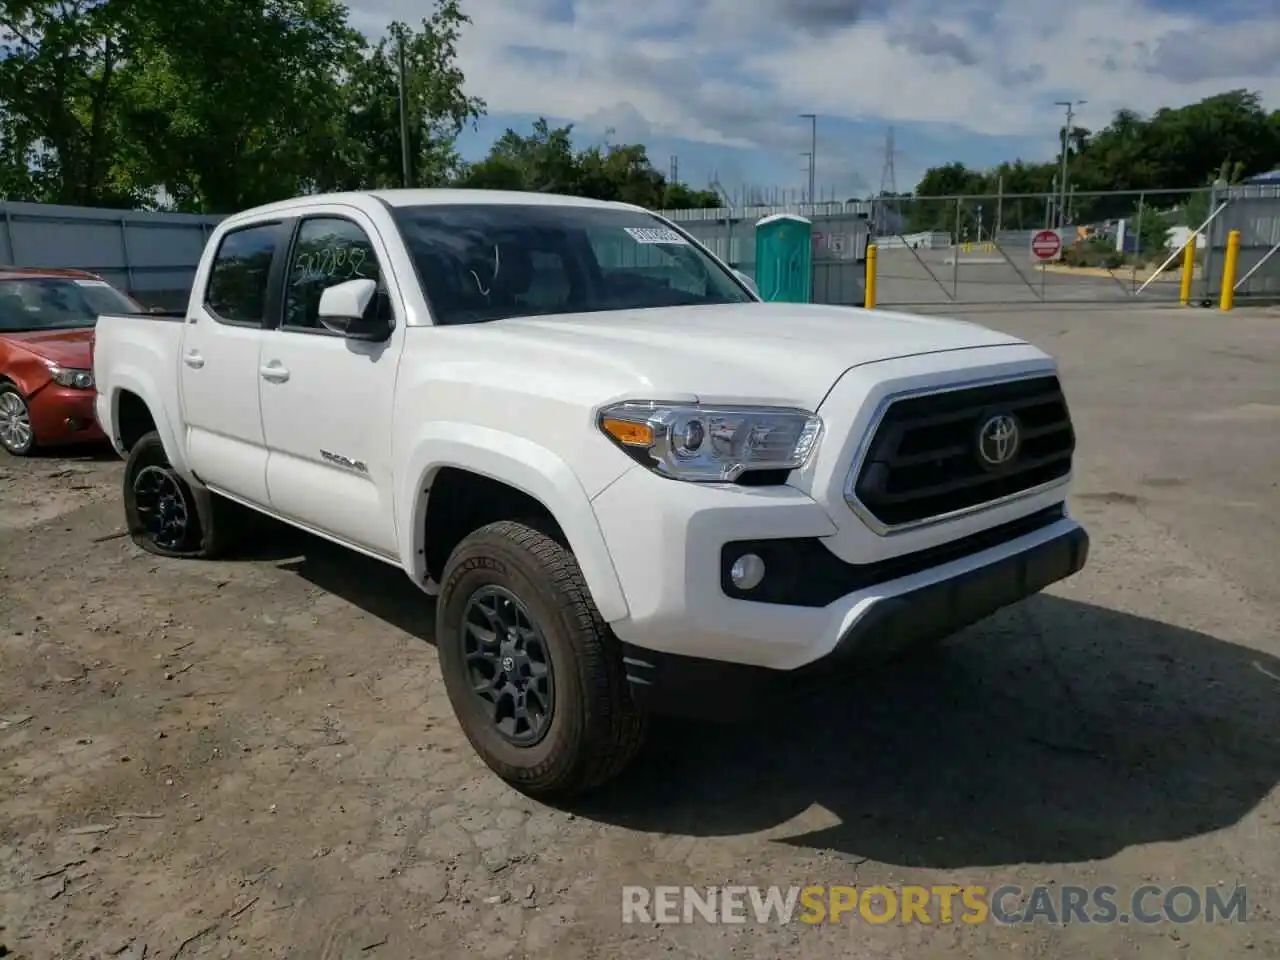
x=256 y=758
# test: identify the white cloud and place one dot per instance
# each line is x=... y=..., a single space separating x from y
x=736 y=72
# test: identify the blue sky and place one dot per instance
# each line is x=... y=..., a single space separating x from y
x=720 y=84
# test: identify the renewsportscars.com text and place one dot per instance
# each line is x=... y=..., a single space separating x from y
x=939 y=904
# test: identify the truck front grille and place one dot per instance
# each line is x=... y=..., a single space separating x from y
x=957 y=450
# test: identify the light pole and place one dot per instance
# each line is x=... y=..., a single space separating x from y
x=1066 y=134
x=813 y=148
x=405 y=170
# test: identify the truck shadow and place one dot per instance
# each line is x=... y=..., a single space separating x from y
x=1056 y=731
x=381 y=590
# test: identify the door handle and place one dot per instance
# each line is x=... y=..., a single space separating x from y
x=193 y=359
x=274 y=372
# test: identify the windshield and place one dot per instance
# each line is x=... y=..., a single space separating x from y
x=483 y=262
x=29 y=304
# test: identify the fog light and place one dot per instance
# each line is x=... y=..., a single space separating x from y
x=747 y=572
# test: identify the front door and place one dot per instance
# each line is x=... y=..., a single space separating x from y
x=327 y=402
x=218 y=368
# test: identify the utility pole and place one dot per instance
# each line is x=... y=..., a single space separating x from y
x=405 y=172
x=995 y=235
x=1066 y=135
x=813 y=149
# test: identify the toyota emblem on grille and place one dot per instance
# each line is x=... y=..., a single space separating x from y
x=999 y=439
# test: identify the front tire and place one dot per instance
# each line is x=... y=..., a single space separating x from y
x=163 y=514
x=16 y=433
x=533 y=673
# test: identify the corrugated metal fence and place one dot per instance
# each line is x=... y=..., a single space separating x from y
x=841 y=232
x=151 y=255
x=1254 y=210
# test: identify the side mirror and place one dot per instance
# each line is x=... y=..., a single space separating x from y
x=344 y=309
x=750 y=284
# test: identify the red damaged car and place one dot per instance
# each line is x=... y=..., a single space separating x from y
x=46 y=371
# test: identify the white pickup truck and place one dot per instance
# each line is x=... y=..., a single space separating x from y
x=635 y=487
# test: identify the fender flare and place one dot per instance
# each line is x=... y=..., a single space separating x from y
x=137 y=381
x=521 y=464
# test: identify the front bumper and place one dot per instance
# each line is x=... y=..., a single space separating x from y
x=667 y=540
x=903 y=616
x=64 y=415
x=670 y=542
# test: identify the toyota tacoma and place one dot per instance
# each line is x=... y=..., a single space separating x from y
x=632 y=486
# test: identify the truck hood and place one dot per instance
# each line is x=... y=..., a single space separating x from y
x=66 y=348
x=767 y=353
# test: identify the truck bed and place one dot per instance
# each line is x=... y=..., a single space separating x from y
x=132 y=355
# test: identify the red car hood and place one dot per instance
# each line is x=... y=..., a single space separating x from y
x=66 y=348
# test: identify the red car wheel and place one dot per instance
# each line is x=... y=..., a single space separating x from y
x=16 y=434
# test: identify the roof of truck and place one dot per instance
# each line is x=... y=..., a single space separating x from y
x=414 y=198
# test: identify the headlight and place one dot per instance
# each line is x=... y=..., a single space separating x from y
x=80 y=379
x=711 y=444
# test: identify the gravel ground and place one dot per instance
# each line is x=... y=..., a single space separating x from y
x=256 y=757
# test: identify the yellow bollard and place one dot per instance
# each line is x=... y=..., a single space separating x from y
x=1229 y=271
x=1188 y=271
x=869 y=300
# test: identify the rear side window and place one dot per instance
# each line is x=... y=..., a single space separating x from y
x=237 y=291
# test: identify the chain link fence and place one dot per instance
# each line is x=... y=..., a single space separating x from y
x=1096 y=247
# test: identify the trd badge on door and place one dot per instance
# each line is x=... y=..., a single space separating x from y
x=342 y=461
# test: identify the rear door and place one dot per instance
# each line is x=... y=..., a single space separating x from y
x=327 y=401
x=218 y=366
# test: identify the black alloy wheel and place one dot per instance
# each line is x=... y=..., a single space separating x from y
x=163 y=507
x=508 y=665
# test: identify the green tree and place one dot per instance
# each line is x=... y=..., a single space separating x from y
x=1228 y=135
x=678 y=196
x=60 y=85
x=438 y=108
x=218 y=105
x=542 y=161
x=229 y=102
x=545 y=161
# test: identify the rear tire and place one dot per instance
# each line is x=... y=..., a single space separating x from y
x=163 y=514
x=16 y=433
x=515 y=618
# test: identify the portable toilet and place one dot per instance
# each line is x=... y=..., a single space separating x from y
x=784 y=258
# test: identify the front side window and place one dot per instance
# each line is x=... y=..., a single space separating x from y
x=29 y=304
x=237 y=291
x=483 y=262
x=327 y=251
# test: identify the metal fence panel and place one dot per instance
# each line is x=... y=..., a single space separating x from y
x=841 y=233
x=153 y=256
x=1254 y=210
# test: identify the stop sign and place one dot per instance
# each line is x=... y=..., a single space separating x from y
x=1046 y=245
